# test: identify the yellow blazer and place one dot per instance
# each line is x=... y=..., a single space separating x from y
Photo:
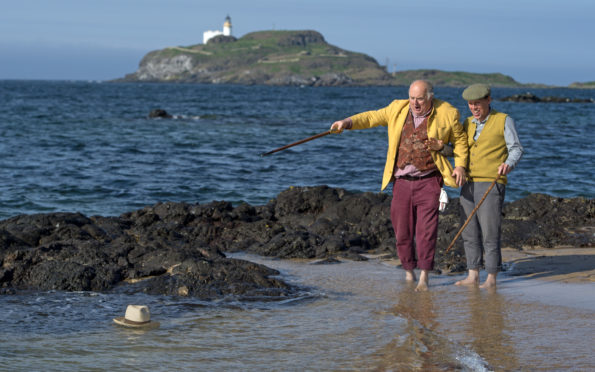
x=443 y=123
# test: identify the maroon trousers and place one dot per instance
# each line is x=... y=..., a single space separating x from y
x=414 y=215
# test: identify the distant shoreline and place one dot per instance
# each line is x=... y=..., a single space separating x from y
x=295 y=58
x=573 y=86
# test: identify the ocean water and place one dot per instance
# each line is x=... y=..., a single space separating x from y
x=90 y=147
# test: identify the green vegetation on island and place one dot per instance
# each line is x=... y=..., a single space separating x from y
x=454 y=79
x=301 y=58
x=586 y=85
x=266 y=57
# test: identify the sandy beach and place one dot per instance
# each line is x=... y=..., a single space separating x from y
x=561 y=264
x=559 y=276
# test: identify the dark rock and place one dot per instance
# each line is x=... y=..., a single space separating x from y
x=523 y=97
x=159 y=113
x=177 y=248
x=301 y=38
x=333 y=79
x=530 y=97
x=567 y=100
x=330 y=79
x=160 y=249
x=327 y=261
x=545 y=221
x=221 y=39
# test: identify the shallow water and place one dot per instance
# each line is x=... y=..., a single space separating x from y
x=351 y=316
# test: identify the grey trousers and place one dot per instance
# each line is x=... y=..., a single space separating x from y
x=481 y=237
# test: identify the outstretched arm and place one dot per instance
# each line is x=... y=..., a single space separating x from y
x=340 y=125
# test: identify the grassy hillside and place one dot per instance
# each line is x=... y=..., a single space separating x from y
x=454 y=79
x=265 y=57
x=291 y=58
x=586 y=85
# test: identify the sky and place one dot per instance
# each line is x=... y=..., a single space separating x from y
x=541 y=41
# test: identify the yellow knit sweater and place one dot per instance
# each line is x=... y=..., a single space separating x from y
x=489 y=151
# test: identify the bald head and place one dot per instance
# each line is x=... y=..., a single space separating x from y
x=422 y=86
x=421 y=93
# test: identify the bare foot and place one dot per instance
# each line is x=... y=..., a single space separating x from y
x=422 y=285
x=468 y=281
x=490 y=282
x=409 y=276
x=471 y=279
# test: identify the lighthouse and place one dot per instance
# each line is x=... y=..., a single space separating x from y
x=227 y=26
x=226 y=31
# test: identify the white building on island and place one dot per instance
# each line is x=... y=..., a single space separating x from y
x=226 y=31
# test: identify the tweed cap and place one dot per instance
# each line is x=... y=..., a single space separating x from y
x=476 y=91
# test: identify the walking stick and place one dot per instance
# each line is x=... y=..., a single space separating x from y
x=297 y=143
x=472 y=213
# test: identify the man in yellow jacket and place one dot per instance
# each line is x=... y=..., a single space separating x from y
x=494 y=149
x=416 y=169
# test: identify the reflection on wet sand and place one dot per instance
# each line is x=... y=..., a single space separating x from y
x=373 y=320
x=419 y=347
x=488 y=328
x=480 y=319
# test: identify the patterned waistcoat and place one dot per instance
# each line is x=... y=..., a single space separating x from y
x=412 y=149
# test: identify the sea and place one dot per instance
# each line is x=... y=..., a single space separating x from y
x=90 y=147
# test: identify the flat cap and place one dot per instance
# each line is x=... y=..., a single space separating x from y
x=476 y=91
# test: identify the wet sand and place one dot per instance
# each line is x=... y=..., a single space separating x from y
x=540 y=317
x=560 y=276
x=562 y=264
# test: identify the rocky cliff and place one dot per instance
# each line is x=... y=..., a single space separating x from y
x=266 y=57
x=292 y=58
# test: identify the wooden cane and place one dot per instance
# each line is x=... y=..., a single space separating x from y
x=297 y=143
x=472 y=213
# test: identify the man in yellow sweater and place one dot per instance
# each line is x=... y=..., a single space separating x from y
x=416 y=170
x=494 y=149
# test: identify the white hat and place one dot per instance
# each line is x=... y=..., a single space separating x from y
x=136 y=316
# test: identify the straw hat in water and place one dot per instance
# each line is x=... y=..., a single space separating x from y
x=136 y=316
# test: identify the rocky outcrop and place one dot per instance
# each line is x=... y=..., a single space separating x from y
x=324 y=80
x=300 y=58
x=157 y=250
x=532 y=98
x=221 y=39
x=159 y=113
x=177 y=248
x=301 y=39
x=294 y=58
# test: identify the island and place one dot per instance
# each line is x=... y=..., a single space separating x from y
x=287 y=58
x=263 y=58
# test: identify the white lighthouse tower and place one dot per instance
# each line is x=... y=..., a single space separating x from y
x=227 y=26
x=226 y=31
